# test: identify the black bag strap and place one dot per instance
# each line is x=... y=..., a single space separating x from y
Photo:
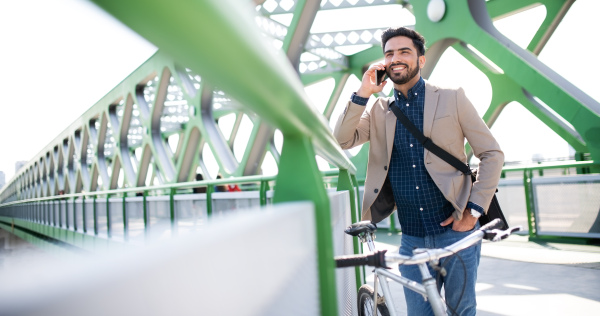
x=427 y=142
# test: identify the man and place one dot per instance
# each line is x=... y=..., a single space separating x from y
x=437 y=205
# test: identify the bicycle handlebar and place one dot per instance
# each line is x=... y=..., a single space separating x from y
x=379 y=259
x=494 y=224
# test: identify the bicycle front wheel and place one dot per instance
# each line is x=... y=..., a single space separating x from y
x=365 y=302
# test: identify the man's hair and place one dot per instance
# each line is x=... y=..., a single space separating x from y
x=418 y=39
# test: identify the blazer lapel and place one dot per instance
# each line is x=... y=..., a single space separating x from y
x=390 y=128
x=430 y=106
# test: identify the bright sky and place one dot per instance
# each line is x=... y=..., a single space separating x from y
x=60 y=57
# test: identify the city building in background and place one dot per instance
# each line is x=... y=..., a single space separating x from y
x=19 y=165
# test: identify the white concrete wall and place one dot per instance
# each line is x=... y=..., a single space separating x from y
x=259 y=262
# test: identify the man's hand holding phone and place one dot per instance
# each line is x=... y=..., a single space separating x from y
x=373 y=81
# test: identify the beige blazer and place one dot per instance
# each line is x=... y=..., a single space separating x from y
x=448 y=118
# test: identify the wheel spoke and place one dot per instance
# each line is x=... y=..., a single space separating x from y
x=366 y=303
x=369 y=308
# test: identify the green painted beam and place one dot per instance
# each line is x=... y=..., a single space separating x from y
x=359 y=60
x=469 y=22
x=299 y=179
x=555 y=11
x=310 y=78
x=340 y=82
x=505 y=90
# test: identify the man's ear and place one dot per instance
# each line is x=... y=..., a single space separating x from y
x=422 y=61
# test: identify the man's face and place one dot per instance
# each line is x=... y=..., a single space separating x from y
x=402 y=61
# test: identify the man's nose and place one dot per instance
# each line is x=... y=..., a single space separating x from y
x=396 y=58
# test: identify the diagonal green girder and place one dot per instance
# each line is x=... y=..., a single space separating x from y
x=272 y=97
x=555 y=11
x=469 y=22
x=506 y=90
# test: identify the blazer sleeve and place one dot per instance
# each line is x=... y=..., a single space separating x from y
x=353 y=126
x=485 y=148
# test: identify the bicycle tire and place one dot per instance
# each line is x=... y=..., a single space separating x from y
x=365 y=302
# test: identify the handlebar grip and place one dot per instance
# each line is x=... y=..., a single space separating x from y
x=377 y=259
x=496 y=235
x=350 y=261
x=495 y=224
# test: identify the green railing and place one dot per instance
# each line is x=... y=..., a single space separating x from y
x=528 y=174
x=36 y=218
x=529 y=171
x=260 y=184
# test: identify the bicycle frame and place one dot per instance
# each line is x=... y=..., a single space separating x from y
x=382 y=261
x=428 y=289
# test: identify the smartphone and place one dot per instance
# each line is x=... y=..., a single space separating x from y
x=380 y=76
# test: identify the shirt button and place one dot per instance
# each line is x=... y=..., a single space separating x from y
x=411 y=145
x=417 y=187
x=421 y=209
x=414 y=166
x=415 y=93
x=407 y=104
x=376 y=190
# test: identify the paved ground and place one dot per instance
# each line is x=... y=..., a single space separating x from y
x=518 y=277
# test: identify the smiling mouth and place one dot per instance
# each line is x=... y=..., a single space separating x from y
x=398 y=68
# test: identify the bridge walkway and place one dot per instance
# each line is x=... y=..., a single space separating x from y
x=516 y=276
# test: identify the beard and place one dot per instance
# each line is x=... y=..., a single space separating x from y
x=402 y=79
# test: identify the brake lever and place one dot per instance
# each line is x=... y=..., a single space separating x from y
x=497 y=234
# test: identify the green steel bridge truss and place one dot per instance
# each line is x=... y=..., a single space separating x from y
x=161 y=123
x=216 y=63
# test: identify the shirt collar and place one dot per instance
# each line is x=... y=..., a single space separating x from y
x=417 y=88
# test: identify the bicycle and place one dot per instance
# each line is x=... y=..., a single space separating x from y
x=382 y=261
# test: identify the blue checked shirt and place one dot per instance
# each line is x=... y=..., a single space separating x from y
x=421 y=205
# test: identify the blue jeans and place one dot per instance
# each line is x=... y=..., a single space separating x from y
x=455 y=279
